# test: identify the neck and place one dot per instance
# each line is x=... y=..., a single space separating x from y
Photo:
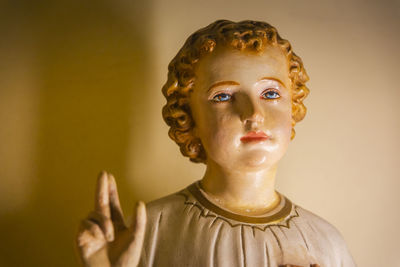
x=241 y=191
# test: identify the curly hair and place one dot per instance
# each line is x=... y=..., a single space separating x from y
x=243 y=35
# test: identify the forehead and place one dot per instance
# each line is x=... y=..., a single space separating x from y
x=228 y=64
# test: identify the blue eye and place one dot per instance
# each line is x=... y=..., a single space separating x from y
x=222 y=97
x=270 y=94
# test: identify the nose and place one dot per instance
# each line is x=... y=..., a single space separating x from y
x=251 y=112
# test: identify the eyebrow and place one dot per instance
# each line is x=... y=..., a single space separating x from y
x=222 y=83
x=274 y=79
x=236 y=83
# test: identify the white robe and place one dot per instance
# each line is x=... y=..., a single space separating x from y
x=187 y=229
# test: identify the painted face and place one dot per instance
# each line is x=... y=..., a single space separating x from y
x=241 y=105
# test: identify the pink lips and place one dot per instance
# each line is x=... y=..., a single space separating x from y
x=254 y=137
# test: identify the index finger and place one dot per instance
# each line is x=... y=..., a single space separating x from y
x=102 y=201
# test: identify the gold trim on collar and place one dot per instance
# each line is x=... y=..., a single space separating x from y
x=277 y=217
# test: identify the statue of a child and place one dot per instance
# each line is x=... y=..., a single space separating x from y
x=234 y=93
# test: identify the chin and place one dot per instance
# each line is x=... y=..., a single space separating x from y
x=256 y=160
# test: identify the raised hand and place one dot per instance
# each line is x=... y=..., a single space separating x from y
x=103 y=239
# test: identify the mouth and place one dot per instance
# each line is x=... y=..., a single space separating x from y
x=254 y=137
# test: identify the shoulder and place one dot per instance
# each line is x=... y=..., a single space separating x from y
x=167 y=205
x=328 y=235
x=318 y=224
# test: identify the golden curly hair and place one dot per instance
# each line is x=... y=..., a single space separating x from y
x=244 y=35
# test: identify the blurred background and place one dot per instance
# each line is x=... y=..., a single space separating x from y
x=80 y=92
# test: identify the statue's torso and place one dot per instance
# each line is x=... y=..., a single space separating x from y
x=185 y=229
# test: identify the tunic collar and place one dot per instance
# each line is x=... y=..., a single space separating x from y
x=274 y=216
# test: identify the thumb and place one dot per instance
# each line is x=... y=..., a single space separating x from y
x=137 y=228
x=132 y=239
x=139 y=218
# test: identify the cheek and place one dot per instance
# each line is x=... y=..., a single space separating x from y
x=284 y=124
x=279 y=122
x=284 y=131
x=219 y=128
x=219 y=136
x=279 y=116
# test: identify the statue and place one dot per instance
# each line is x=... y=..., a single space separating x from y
x=234 y=93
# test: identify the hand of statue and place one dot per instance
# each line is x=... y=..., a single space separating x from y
x=103 y=238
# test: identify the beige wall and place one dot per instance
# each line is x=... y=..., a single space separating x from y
x=80 y=92
x=73 y=83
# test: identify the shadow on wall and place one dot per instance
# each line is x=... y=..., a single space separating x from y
x=90 y=66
